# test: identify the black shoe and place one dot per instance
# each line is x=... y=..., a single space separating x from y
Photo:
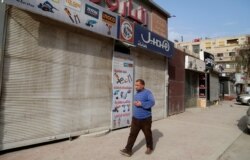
x=148 y=151
x=125 y=152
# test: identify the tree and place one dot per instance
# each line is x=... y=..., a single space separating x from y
x=243 y=65
x=243 y=59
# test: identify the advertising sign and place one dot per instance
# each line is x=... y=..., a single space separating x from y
x=194 y=64
x=209 y=60
x=74 y=4
x=79 y=13
x=126 y=31
x=240 y=78
x=149 y=40
x=123 y=82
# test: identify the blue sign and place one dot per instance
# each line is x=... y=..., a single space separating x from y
x=152 y=41
x=92 y=11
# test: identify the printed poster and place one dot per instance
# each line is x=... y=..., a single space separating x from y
x=123 y=82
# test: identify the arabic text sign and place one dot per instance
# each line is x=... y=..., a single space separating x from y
x=149 y=40
x=79 y=13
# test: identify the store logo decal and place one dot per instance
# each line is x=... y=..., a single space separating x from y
x=91 y=11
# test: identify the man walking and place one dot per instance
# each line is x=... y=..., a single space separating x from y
x=142 y=118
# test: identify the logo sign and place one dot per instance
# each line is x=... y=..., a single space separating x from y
x=74 y=4
x=126 y=31
x=91 y=11
x=149 y=40
x=209 y=60
x=108 y=18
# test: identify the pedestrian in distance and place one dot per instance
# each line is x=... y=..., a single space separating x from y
x=142 y=118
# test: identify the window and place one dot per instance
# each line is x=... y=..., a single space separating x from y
x=231 y=54
x=185 y=47
x=219 y=54
x=229 y=66
x=208 y=44
x=221 y=43
x=196 y=48
x=233 y=41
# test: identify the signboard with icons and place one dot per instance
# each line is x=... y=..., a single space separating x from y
x=79 y=13
x=123 y=82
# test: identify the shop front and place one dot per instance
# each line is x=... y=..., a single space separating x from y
x=63 y=74
x=195 y=84
x=212 y=74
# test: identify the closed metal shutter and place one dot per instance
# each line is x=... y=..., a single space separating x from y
x=214 y=87
x=151 y=68
x=56 y=82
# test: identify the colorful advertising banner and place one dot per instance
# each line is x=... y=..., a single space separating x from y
x=123 y=82
x=79 y=13
x=149 y=40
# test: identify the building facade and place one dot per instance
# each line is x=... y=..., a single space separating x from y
x=68 y=67
x=224 y=50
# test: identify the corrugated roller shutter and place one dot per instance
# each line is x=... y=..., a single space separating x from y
x=214 y=87
x=151 y=68
x=55 y=81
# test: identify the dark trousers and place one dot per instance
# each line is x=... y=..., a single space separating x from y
x=136 y=126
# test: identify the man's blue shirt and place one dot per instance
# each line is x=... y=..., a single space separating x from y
x=147 y=100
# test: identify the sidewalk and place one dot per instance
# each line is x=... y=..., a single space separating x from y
x=197 y=134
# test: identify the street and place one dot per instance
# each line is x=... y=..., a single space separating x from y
x=239 y=149
x=196 y=134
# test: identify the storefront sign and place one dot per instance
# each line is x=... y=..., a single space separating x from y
x=92 y=11
x=240 y=78
x=149 y=40
x=126 y=31
x=159 y=24
x=126 y=9
x=194 y=64
x=209 y=60
x=79 y=13
x=122 y=90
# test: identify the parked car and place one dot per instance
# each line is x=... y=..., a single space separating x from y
x=248 y=119
x=244 y=99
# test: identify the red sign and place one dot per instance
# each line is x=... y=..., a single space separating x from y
x=139 y=14
x=126 y=31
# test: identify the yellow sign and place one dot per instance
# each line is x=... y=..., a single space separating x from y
x=74 y=4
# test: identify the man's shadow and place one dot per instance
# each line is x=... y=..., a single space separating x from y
x=156 y=136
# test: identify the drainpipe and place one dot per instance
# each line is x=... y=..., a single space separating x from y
x=166 y=89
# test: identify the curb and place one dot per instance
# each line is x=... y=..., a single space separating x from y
x=97 y=134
